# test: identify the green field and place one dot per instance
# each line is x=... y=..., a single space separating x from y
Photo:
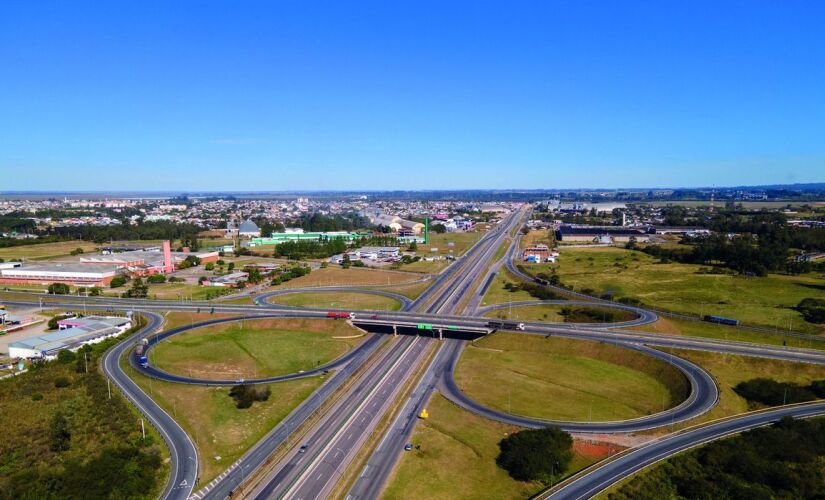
x=456 y=459
x=339 y=300
x=728 y=370
x=354 y=276
x=678 y=287
x=565 y=379
x=497 y=294
x=44 y=251
x=441 y=243
x=672 y=326
x=261 y=348
x=222 y=432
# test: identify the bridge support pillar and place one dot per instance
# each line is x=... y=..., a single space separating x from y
x=394 y=330
x=440 y=334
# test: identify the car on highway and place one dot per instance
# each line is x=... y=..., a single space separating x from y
x=408 y=447
x=303 y=448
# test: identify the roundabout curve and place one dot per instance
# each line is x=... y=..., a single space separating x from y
x=262 y=299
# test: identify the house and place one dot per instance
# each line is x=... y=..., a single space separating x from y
x=227 y=280
x=536 y=253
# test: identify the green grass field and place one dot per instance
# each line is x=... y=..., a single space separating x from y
x=45 y=251
x=341 y=300
x=456 y=459
x=564 y=379
x=678 y=287
x=497 y=294
x=354 y=276
x=261 y=348
x=222 y=432
x=441 y=243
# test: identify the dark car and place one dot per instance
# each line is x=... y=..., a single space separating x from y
x=303 y=448
x=408 y=447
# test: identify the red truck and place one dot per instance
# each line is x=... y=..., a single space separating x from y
x=340 y=315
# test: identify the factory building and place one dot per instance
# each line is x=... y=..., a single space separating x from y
x=70 y=274
x=277 y=238
x=73 y=334
x=602 y=234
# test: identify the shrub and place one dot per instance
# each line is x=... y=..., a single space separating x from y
x=59 y=433
x=813 y=310
x=246 y=394
x=535 y=454
x=156 y=278
x=772 y=393
x=66 y=356
x=209 y=266
x=118 y=281
x=58 y=289
x=61 y=382
x=37 y=397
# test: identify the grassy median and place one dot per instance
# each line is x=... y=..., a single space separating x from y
x=255 y=348
x=339 y=300
x=565 y=379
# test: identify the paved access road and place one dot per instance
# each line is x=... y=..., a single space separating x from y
x=588 y=485
x=184 y=456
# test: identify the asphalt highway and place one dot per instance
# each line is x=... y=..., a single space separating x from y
x=590 y=484
x=184 y=456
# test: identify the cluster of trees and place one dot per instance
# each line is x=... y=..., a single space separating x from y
x=743 y=253
x=536 y=454
x=781 y=461
x=772 y=393
x=78 y=442
x=309 y=249
x=594 y=315
x=535 y=290
x=138 y=290
x=813 y=310
x=245 y=394
x=294 y=272
x=58 y=289
x=155 y=230
x=321 y=223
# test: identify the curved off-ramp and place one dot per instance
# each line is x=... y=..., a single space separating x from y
x=643 y=316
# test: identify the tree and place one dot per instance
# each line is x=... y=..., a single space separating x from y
x=58 y=289
x=209 y=266
x=95 y=291
x=525 y=230
x=413 y=246
x=536 y=454
x=139 y=290
x=118 y=281
x=76 y=251
x=59 y=434
x=346 y=262
x=231 y=266
x=439 y=228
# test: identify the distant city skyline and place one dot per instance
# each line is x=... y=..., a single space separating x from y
x=312 y=96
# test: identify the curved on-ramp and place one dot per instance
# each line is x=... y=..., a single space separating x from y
x=157 y=373
x=703 y=396
x=184 y=456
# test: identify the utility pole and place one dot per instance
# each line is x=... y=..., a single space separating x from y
x=86 y=362
x=142 y=429
x=109 y=387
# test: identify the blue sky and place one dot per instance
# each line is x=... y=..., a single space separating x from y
x=409 y=95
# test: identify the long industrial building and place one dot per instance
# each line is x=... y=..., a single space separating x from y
x=73 y=333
